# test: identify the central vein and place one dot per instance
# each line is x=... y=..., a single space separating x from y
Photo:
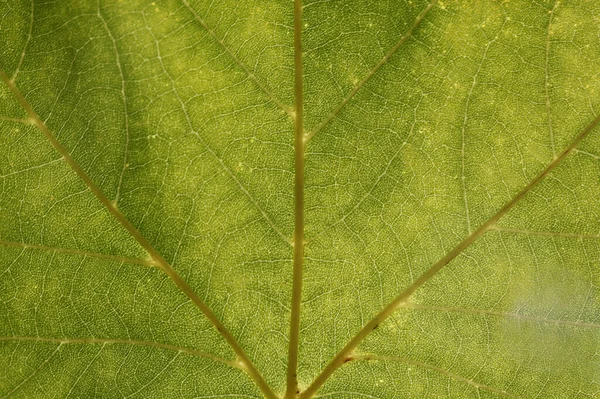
x=298 y=239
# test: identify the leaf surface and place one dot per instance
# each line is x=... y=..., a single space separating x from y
x=348 y=199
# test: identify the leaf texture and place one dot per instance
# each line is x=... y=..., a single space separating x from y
x=297 y=199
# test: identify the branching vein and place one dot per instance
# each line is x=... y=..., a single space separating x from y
x=123 y=98
x=289 y=111
x=547 y=79
x=212 y=152
x=545 y=233
x=110 y=341
x=117 y=258
x=347 y=350
x=29 y=37
x=502 y=314
x=34 y=373
x=372 y=72
x=160 y=262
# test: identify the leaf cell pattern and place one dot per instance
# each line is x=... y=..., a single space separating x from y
x=299 y=199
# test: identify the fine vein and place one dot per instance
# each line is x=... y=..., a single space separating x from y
x=298 y=240
x=34 y=373
x=372 y=72
x=109 y=341
x=210 y=150
x=502 y=314
x=123 y=98
x=547 y=80
x=463 y=177
x=160 y=262
x=347 y=350
x=29 y=37
x=440 y=370
x=235 y=58
x=544 y=233
x=117 y=258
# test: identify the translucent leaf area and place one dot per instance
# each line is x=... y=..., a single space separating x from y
x=299 y=199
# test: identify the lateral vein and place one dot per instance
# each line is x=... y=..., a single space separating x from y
x=544 y=233
x=212 y=152
x=340 y=358
x=123 y=98
x=161 y=262
x=117 y=258
x=501 y=314
x=109 y=341
x=29 y=37
x=372 y=72
x=547 y=80
x=34 y=373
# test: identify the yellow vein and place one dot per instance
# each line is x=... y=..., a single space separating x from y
x=18 y=120
x=124 y=99
x=30 y=168
x=369 y=75
x=235 y=58
x=35 y=372
x=417 y=363
x=118 y=258
x=502 y=314
x=109 y=341
x=589 y=154
x=544 y=233
x=29 y=37
x=547 y=82
x=160 y=262
x=298 y=240
x=340 y=358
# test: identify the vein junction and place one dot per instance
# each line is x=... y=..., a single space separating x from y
x=156 y=257
x=403 y=297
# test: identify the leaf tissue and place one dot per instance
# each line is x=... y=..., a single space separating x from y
x=299 y=199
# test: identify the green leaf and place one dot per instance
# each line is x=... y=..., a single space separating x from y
x=328 y=198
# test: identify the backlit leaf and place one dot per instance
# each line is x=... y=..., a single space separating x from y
x=419 y=179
